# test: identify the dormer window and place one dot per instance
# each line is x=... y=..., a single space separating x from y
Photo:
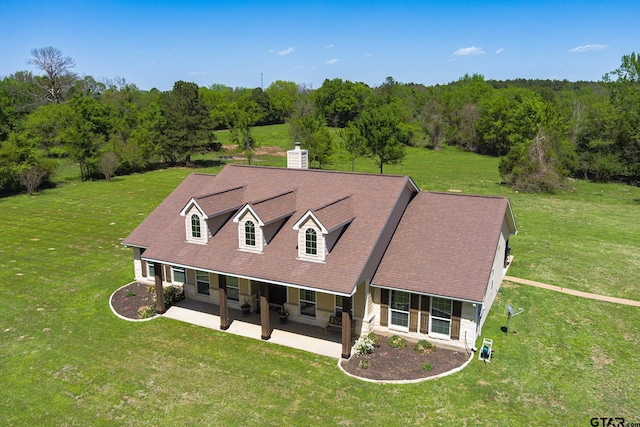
x=195 y=227
x=311 y=242
x=249 y=233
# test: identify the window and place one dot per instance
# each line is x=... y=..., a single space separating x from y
x=202 y=282
x=400 y=308
x=338 y=308
x=307 y=303
x=249 y=233
x=311 y=242
x=195 y=226
x=441 y=316
x=233 y=288
x=178 y=274
x=151 y=269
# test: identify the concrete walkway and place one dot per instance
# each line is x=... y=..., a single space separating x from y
x=573 y=292
x=295 y=335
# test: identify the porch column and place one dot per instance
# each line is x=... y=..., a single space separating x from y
x=160 y=308
x=264 y=312
x=222 y=298
x=346 y=328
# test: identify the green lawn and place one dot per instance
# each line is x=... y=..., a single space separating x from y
x=67 y=360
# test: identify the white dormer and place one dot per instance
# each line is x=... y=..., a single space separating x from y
x=311 y=238
x=250 y=235
x=195 y=223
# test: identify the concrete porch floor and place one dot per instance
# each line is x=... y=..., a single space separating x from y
x=296 y=335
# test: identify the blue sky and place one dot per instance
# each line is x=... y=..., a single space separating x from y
x=155 y=43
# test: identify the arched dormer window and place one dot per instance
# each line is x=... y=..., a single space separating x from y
x=249 y=233
x=195 y=227
x=311 y=242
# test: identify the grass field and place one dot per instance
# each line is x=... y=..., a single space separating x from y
x=67 y=360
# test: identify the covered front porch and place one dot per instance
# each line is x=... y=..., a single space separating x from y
x=292 y=334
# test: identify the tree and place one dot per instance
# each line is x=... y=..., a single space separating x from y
x=380 y=126
x=108 y=164
x=188 y=130
x=282 y=95
x=241 y=135
x=31 y=178
x=352 y=142
x=339 y=101
x=57 y=68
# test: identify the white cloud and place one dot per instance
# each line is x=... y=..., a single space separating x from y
x=469 y=51
x=329 y=46
x=286 y=51
x=588 y=48
x=197 y=73
x=332 y=61
x=499 y=51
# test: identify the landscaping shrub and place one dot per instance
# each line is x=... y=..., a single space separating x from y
x=146 y=311
x=427 y=367
x=397 y=342
x=171 y=294
x=424 y=346
x=364 y=345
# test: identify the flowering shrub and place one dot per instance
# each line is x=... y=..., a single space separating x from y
x=424 y=346
x=146 y=311
x=364 y=345
x=397 y=342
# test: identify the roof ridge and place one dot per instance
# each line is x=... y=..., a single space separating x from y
x=218 y=192
x=272 y=197
x=332 y=203
x=330 y=171
x=445 y=193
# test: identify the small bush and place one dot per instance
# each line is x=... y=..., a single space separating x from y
x=364 y=363
x=171 y=294
x=375 y=339
x=364 y=345
x=130 y=294
x=146 y=311
x=397 y=342
x=424 y=346
x=427 y=367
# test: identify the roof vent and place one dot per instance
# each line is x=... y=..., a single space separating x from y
x=297 y=158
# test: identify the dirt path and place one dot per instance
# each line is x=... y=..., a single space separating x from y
x=574 y=292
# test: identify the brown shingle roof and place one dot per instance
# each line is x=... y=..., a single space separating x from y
x=444 y=245
x=276 y=207
x=335 y=213
x=221 y=201
x=376 y=201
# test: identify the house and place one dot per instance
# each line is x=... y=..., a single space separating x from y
x=368 y=252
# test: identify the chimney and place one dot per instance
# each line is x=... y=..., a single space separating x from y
x=297 y=158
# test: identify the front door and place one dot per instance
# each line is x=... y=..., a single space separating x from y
x=277 y=294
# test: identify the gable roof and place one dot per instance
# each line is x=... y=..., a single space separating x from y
x=439 y=248
x=376 y=204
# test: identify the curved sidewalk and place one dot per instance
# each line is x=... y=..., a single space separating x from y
x=573 y=292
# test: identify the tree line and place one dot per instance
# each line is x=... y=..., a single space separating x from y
x=543 y=130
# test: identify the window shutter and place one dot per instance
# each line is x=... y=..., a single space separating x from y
x=144 y=268
x=167 y=273
x=456 y=312
x=424 y=314
x=413 y=313
x=384 y=307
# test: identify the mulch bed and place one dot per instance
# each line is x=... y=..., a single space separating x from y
x=388 y=363
x=128 y=299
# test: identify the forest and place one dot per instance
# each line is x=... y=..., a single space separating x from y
x=544 y=131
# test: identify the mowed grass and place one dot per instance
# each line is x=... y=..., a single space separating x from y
x=67 y=360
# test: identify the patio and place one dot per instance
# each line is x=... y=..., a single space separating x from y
x=292 y=334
